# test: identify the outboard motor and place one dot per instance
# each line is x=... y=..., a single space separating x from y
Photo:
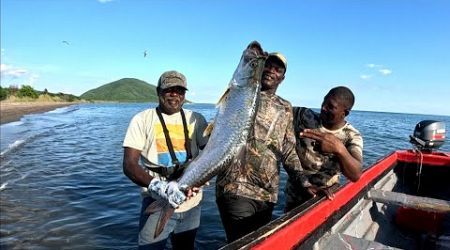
x=428 y=135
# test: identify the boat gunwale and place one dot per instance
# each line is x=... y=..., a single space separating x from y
x=304 y=225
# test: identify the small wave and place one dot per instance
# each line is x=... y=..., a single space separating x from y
x=10 y=124
x=12 y=146
x=61 y=110
x=3 y=186
x=3 y=164
x=23 y=176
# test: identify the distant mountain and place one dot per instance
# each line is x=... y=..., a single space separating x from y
x=123 y=90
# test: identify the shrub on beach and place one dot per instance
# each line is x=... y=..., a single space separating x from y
x=27 y=91
x=3 y=93
x=27 y=94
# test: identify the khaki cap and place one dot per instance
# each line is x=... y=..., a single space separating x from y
x=279 y=57
x=172 y=79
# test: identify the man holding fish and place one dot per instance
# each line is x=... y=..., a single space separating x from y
x=251 y=137
x=247 y=189
x=164 y=139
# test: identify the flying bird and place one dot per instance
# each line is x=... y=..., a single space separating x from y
x=145 y=53
x=66 y=42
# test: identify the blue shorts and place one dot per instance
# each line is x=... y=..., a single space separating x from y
x=178 y=223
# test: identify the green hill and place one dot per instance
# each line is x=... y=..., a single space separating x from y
x=123 y=90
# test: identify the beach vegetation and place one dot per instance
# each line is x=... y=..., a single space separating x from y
x=28 y=94
x=3 y=93
x=12 y=90
x=27 y=91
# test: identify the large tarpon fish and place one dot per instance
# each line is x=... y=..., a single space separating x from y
x=231 y=127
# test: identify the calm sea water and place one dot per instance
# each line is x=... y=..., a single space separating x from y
x=62 y=185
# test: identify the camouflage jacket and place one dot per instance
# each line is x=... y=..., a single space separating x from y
x=271 y=144
x=322 y=169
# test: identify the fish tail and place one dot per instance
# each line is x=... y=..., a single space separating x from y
x=166 y=212
x=155 y=206
x=164 y=217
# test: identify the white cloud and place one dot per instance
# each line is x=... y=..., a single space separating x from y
x=385 y=72
x=372 y=65
x=11 y=71
x=365 y=77
x=32 y=79
x=375 y=69
x=17 y=76
x=104 y=1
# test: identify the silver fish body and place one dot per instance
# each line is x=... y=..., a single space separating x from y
x=233 y=121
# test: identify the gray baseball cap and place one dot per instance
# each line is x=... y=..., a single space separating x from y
x=172 y=79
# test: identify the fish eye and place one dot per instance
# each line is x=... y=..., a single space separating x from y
x=253 y=64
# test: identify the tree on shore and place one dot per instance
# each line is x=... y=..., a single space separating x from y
x=12 y=90
x=27 y=91
x=3 y=93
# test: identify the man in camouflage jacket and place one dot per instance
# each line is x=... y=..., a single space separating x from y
x=247 y=192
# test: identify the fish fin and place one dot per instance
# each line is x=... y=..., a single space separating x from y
x=156 y=206
x=166 y=212
x=164 y=217
x=208 y=129
x=223 y=98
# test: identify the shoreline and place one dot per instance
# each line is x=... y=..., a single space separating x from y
x=14 y=111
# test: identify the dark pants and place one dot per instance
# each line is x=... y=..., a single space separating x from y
x=180 y=241
x=299 y=198
x=241 y=215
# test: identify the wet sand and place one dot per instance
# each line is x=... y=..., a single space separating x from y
x=13 y=111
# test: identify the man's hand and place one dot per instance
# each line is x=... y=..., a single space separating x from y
x=314 y=190
x=325 y=142
x=168 y=191
x=191 y=192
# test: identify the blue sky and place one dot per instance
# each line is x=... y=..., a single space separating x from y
x=394 y=55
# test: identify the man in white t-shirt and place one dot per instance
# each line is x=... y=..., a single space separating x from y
x=157 y=145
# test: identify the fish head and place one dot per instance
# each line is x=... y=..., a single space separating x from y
x=251 y=66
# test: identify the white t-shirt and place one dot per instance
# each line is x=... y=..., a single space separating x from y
x=145 y=134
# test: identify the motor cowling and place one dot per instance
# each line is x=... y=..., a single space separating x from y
x=428 y=135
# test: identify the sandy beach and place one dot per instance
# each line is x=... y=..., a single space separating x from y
x=13 y=111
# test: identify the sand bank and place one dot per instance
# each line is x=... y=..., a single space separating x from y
x=13 y=111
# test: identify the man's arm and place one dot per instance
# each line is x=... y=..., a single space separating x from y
x=132 y=169
x=350 y=162
x=201 y=126
x=291 y=161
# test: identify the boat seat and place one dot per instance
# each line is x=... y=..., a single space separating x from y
x=411 y=201
x=344 y=241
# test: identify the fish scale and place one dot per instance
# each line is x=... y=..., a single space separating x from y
x=233 y=121
x=229 y=136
